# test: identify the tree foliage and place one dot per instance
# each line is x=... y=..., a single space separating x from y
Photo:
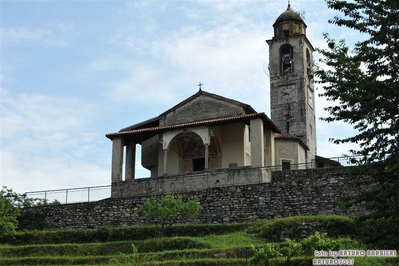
x=169 y=210
x=318 y=241
x=362 y=85
x=11 y=216
x=292 y=248
x=264 y=254
x=8 y=215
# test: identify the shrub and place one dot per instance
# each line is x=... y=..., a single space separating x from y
x=291 y=249
x=264 y=254
x=318 y=242
x=134 y=259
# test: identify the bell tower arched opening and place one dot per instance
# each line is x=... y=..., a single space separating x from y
x=286 y=57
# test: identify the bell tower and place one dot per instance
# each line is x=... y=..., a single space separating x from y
x=292 y=98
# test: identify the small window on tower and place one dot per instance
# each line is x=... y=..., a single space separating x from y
x=286 y=33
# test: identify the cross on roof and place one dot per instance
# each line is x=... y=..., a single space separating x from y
x=199 y=85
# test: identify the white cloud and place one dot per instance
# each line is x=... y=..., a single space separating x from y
x=52 y=36
x=22 y=34
x=227 y=58
x=49 y=142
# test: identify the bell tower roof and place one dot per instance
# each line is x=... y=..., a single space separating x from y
x=289 y=15
x=289 y=23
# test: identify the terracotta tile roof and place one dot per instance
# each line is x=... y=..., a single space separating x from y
x=269 y=123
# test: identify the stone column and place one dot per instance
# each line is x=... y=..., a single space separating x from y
x=165 y=161
x=117 y=159
x=130 y=161
x=257 y=143
x=206 y=156
x=180 y=165
x=270 y=154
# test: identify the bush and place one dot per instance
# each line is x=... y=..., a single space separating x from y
x=278 y=229
x=133 y=259
x=318 y=242
x=269 y=251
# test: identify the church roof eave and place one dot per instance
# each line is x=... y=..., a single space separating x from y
x=151 y=131
x=144 y=124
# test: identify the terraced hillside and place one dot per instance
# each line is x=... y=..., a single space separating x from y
x=216 y=244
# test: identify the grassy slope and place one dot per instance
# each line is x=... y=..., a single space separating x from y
x=220 y=247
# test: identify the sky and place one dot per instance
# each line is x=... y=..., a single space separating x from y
x=73 y=71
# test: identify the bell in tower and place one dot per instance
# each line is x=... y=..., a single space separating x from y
x=291 y=79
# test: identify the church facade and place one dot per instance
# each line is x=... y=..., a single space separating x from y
x=208 y=140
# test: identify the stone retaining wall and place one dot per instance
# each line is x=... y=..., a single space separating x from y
x=199 y=181
x=290 y=193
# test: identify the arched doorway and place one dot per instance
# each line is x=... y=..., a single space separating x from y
x=191 y=152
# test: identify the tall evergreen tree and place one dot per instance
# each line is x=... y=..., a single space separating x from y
x=362 y=85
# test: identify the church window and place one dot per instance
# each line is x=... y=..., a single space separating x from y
x=286 y=59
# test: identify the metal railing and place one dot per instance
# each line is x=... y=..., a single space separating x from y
x=73 y=195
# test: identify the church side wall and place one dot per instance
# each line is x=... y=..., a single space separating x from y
x=288 y=151
x=302 y=192
x=233 y=149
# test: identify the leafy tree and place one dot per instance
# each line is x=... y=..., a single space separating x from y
x=12 y=203
x=292 y=249
x=363 y=86
x=8 y=215
x=169 y=210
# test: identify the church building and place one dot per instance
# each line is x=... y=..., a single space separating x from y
x=206 y=139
